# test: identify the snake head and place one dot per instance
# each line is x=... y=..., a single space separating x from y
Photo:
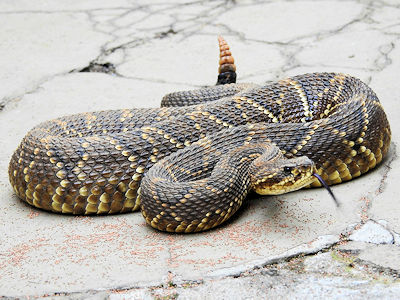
x=281 y=175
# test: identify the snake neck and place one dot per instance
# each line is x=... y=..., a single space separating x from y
x=212 y=189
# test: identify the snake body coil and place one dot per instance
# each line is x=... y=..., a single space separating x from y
x=93 y=163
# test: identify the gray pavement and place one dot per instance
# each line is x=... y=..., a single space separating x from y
x=65 y=57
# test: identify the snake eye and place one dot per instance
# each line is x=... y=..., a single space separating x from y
x=287 y=169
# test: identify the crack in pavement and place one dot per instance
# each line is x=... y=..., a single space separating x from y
x=207 y=15
x=131 y=27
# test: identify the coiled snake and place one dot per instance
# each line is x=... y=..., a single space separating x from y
x=276 y=135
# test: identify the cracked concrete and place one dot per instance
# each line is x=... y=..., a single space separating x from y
x=65 y=57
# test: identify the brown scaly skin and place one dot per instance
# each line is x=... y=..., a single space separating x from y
x=218 y=185
x=93 y=163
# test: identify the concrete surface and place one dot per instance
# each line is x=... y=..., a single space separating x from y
x=291 y=246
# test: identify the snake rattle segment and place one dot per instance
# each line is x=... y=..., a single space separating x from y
x=189 y=165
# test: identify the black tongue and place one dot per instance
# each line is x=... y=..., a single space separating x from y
x=328 y=188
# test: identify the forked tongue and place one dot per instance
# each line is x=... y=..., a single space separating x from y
x=327 y=187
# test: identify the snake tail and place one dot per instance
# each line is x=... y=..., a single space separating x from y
x=227 y=68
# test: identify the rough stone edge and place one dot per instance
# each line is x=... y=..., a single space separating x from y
x=316 y=245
